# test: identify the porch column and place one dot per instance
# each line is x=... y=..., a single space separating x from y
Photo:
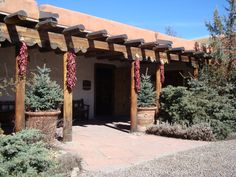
x=158 y=86
x=195 y=72
x=67 y=106
x=19 y=99
x=133 y=101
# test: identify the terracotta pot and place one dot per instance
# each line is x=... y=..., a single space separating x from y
x=145 y=118
x=44 y=121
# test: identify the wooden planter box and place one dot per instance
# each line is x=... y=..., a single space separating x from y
x=145 y=118
x=44 y=121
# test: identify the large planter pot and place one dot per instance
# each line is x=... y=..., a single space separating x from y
x=145 y=118
x=44 y=121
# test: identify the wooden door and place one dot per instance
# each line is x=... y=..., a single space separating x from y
x=122 y=92
x=104 y=90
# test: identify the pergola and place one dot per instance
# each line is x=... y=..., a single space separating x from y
x=48 y=35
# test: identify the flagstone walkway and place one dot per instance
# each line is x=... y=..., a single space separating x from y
x=108 y=147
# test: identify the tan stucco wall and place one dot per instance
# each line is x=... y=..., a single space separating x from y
x=11 y=6
x=7 y=69
x=85 y=71
x=92 y=23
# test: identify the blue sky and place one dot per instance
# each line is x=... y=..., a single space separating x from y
x=187 y=17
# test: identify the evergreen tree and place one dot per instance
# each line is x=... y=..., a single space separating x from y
x=146 y=95
x=230 y=29
x=222 y=33
x=43 y=94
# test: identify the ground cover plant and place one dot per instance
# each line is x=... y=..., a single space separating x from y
x=24 y=154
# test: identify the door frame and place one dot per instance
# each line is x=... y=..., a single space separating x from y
x=106 y=66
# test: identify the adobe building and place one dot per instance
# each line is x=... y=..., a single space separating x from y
x=105 y=50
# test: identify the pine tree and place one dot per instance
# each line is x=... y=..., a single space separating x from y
x=230 y=29
x=222 y=33
x=146 y=95
x=43 y=94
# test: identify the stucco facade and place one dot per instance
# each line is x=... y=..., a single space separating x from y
x=85 y=71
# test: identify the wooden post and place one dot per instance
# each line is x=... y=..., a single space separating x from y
x=133 y=101
x=195 y=72
x=158 y=86
x=67 y=106
x=19 y=101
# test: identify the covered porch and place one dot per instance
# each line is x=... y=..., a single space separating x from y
x=105 y=64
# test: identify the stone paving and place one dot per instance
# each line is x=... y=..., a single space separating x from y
x=108 y=147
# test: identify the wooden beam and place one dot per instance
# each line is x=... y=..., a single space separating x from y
x=195 y=72
x=46 y=24
x=164 y=42
x=32 y=37
x=188 y=52
x=67 y=106
x=16 y=17
x=162 y=48
x=45 y=15
x=134 y=42
x=158 y=86
x=97 y=35
x=174 y=57
x=149 y=45
x=177 y=50
x=74 y=30
x=185 y=58
x=19 y=101
x=119 y=39
x=133 y=101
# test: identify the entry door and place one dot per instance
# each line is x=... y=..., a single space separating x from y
x=104 y=90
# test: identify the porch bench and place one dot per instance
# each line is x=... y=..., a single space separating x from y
x=80 y=110
x=7 y=112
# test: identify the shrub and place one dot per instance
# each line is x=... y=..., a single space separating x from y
x=24 y=154
x=165 y=129
x=69 y=162
x=42 y=93
x=146 y=95
x=196 y=132
x=197 y=105
x=201 y=131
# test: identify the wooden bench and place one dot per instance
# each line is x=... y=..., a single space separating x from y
x=80 y=110
x=7 y=112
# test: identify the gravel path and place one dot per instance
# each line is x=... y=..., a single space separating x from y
x=215 y=160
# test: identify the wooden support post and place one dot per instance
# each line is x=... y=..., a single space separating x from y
x=67 y=106
x=158 y=86
x=19 y=101
x=195 y=72
x=133 y=101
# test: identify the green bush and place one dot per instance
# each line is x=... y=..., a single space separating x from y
x=24 y=154
x=200 y=131
x=147 y=94
x=199 y=104
x=43 y=94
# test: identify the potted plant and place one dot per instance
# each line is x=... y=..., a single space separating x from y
x=43 y=101
x=146 y=103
